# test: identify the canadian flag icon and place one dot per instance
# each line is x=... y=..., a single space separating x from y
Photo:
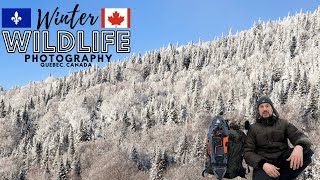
x=115 y=17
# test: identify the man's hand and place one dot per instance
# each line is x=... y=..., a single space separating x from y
x=271 y=170
x=296 y=158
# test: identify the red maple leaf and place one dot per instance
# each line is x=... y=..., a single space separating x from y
x=115 y=19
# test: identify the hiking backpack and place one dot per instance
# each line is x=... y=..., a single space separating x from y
x=224 y=150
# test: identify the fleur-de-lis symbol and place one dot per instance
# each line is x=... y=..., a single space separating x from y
x=16 y=19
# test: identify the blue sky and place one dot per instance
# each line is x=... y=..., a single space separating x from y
x=154 y=24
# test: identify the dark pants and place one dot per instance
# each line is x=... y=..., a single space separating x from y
x=286 y=173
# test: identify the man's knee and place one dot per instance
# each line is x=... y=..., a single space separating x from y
x=307 y=157
x=288 y=173
x=308 y=153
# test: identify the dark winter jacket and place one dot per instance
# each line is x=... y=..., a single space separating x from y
x=265 y=142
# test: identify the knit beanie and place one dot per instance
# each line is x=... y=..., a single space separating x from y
x=264 y=99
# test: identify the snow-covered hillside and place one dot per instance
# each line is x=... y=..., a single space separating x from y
x=146 y=117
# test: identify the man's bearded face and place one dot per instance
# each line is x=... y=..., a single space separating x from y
x=265 y=110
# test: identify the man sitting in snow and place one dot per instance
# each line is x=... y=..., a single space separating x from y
x=266 y=147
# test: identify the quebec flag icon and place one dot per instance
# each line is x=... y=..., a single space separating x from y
x=16 y=17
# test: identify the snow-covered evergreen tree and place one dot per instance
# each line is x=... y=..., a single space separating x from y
x=2 y=109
